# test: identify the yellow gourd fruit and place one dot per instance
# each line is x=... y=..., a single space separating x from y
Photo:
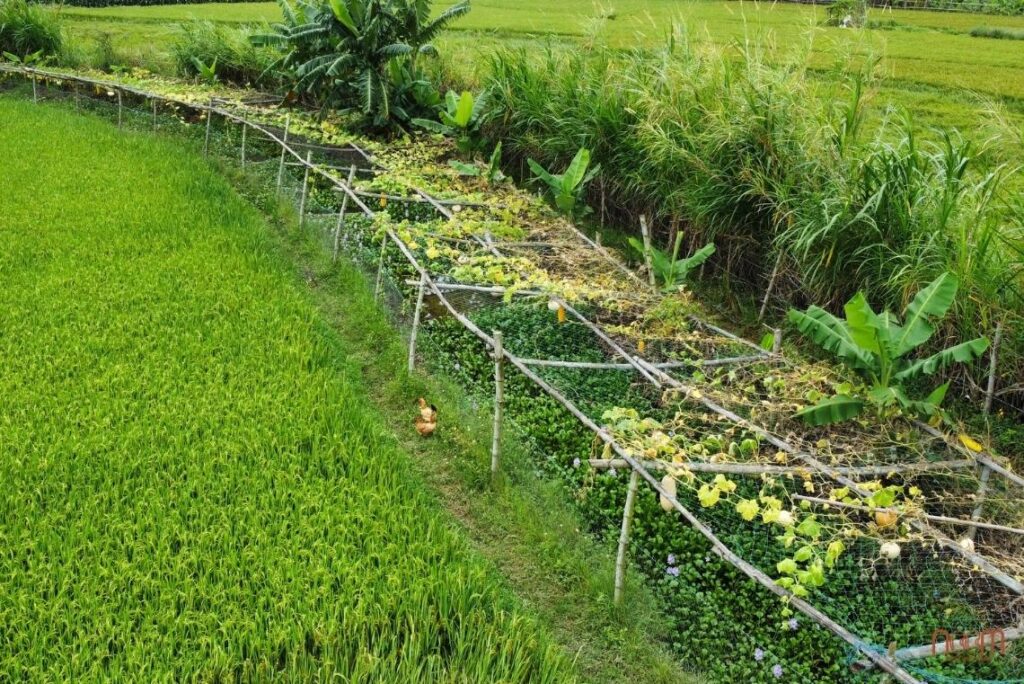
x=668 y=483
x=885 y=518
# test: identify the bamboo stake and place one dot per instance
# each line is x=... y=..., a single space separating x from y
x=499 y=388
x=600 y=365
x=771 y=286
x=416 y=323
x=380 y=266
x=153 y=104
x=35 y=90
x=610 y=342
x=647 y=249
x=120 y=109
x=993 y=361
x=209 y=121
x=983 y=478
x=341 y=216
x=305 y=192
x=627 y=519
x=245 y=130
x=284 y=150
x=927 y=516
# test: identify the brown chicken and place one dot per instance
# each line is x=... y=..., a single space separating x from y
x=426 y=422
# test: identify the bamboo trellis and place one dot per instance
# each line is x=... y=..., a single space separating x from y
x=655 y=373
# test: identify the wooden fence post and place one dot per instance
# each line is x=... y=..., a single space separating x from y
x=245 y=130
x=305 y=192
x=120 y=109
x=627 y=519
x=416 y=322
x=499 y=389
x=209 y=120
x=35 y=90
x=152 y=101
x=380 y=266
x=284 y=151
x=645 y=231
x=979 y=499
x=768 y=291
x=341 y=213
x=993 y=360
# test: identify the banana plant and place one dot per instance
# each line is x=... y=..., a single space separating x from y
x=567 y=188
x=27 y=60
x=491 y=174
x=207 y=73
x=670 y=270
x=878 y=348
x=461 y=119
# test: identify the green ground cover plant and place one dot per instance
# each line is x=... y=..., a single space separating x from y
x=708 y=601
x=195 y=486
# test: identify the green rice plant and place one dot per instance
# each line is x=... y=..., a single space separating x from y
x=997 y=32
x=196 y=487
x=878 y=348
x=29 y=29
x=567 y=188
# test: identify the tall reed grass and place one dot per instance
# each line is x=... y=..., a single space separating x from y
x=29 y=28
x=741 y=147
x=237 y=60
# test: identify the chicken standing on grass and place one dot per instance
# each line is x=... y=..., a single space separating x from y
x=427 y=420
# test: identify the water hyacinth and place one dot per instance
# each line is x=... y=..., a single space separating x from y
x=777 y=671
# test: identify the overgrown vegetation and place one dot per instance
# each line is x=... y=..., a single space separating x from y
x=187 y=454
x=708 y=601
x=362 y=54
x=745 y=152
x=202 y=44
x=877 y=347
x=29 y=29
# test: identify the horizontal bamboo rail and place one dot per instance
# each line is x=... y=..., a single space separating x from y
x=768 y=469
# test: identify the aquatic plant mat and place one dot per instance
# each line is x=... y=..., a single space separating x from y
x=919 y=518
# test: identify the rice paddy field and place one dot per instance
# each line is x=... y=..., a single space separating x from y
x=195 y=485
x=928 y=61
